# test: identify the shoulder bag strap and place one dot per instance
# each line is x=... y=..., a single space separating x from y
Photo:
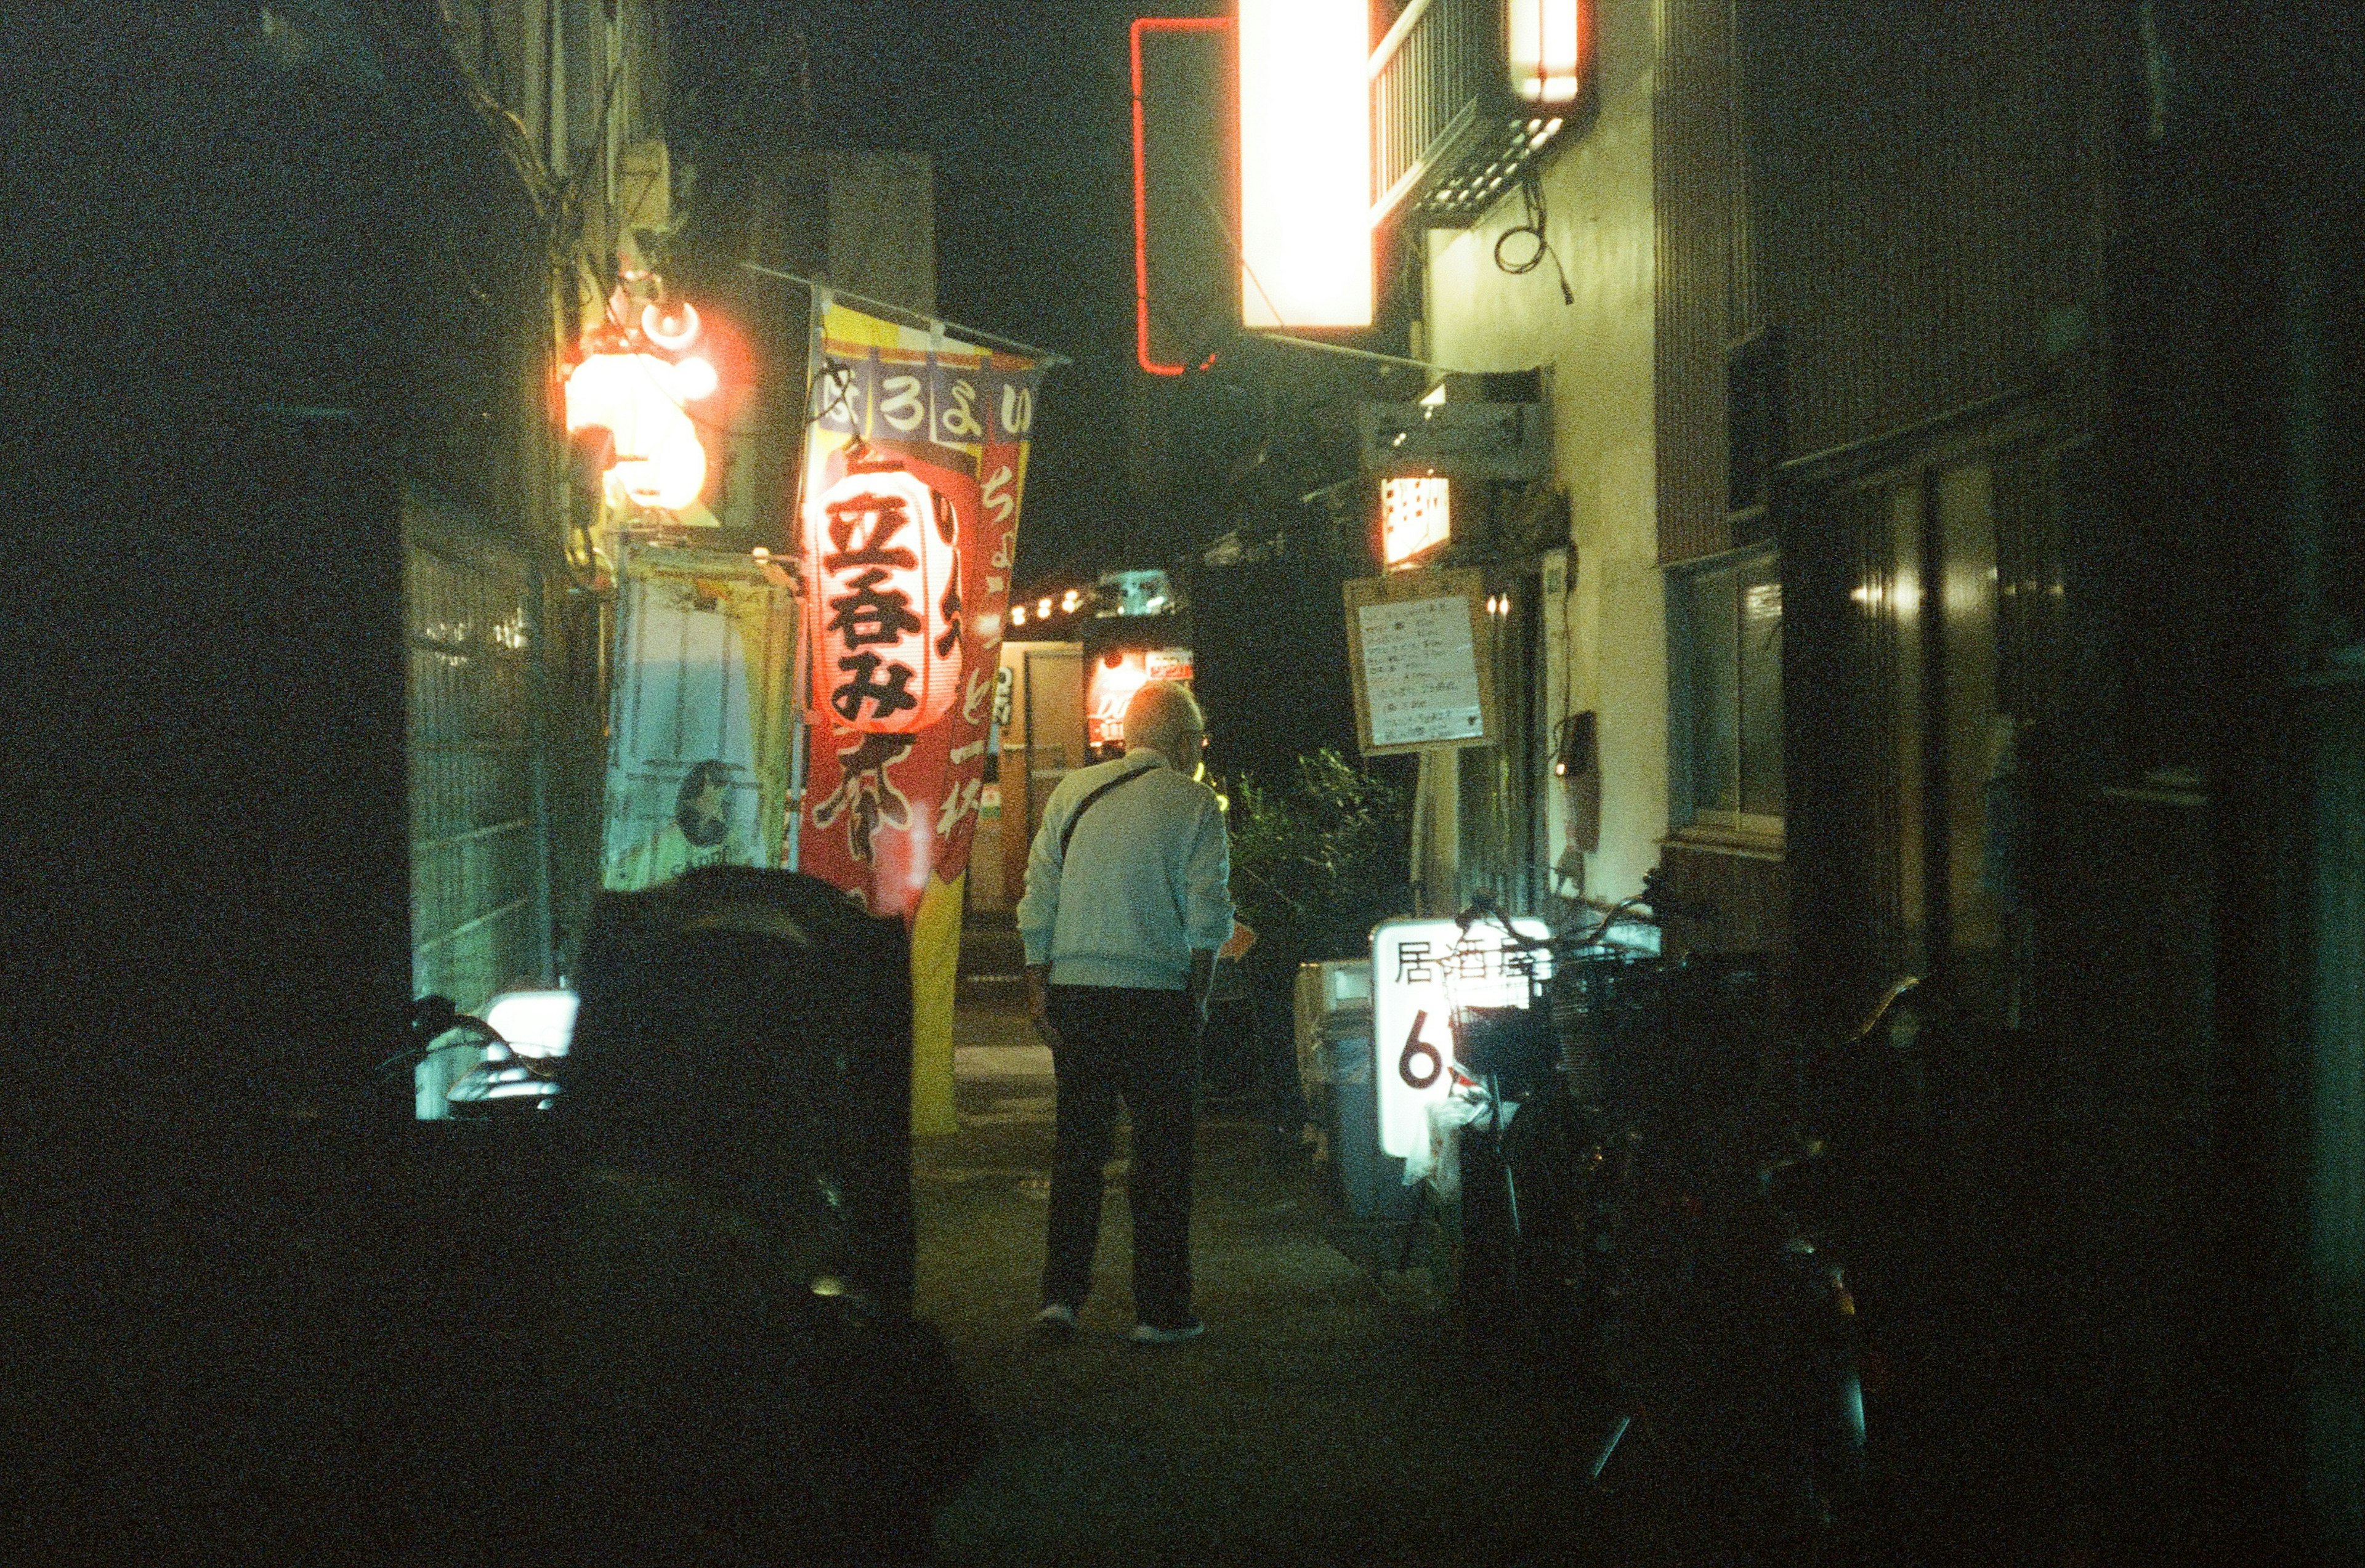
x=1069 y=831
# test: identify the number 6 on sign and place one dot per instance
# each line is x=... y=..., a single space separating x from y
x=1417 y=1050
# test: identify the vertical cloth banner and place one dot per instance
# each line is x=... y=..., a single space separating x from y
x=915 y=455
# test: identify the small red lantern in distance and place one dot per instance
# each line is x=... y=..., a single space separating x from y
x=888 y=609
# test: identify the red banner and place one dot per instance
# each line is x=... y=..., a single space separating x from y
x=914 y=468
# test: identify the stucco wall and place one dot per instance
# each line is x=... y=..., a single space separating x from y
x=1597 y=354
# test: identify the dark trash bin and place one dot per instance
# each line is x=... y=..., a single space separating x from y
x=748 y=1032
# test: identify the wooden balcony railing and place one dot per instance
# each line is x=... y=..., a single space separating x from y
x=1448 y=136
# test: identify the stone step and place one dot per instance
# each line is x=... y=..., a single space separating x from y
x=992 y=950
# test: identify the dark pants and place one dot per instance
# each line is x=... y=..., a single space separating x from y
x=1139 y=1047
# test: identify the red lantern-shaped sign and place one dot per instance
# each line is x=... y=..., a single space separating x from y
x=638 y=398
x=887 y=606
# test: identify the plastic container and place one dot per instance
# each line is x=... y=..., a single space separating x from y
x=1323 y=989
x=1370 y=1180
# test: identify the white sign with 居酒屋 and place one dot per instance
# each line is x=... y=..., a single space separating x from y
x=1422 y=971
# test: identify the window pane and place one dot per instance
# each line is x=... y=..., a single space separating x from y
x=1761 y=688
x=1978 y=739
x=1712 y=623
x=1905 y=621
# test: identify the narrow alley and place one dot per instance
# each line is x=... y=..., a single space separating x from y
x=1333 y=1413
x=1734 y=637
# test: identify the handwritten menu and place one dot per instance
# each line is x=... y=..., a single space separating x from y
x=1420 y=671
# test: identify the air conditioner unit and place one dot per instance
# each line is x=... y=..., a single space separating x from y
x=1455 y=441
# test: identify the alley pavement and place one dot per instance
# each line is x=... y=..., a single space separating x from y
x=1333 y=1413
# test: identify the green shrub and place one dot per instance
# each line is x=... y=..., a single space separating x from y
x=1320 y=860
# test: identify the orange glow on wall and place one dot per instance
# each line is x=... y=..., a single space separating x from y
x=1416 y=515
x=1306 y=164
x=888 y=603
x=1551 y=49
x=659 y=461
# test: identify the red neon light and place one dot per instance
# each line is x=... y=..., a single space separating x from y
x=1141 y=187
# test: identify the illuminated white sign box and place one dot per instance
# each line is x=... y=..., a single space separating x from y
x=1306 y=164
x=1422 y=971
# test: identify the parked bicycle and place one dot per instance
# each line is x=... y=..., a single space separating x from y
x=1737 y=1353
x=1556 y=1132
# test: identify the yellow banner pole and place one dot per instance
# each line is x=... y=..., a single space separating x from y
x=935 y=968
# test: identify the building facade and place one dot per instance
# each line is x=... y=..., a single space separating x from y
x=505 y=569
x=1546 y=293
x=1954 y=421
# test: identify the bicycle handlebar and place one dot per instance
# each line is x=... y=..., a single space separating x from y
x=1654 y=897
x=1880 y=1010
x=1873 y=1020
x=428 y=1020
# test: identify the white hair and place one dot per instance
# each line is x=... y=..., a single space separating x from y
x=1160 y=714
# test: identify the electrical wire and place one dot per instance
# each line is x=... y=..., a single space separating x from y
x=840 y=376
x=1531 y=203
x=516 y=141
x=1223 y=228
x=557 y=203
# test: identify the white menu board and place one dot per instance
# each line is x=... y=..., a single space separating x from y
x=1420 y=671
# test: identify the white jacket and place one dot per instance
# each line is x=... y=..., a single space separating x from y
x=1145 y=880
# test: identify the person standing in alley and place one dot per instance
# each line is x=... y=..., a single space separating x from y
x=1127 y=901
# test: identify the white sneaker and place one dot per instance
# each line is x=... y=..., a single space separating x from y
x=1056 y=1321
x=1150 y=1334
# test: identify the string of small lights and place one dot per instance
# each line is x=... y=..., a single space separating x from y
x=1048 y=615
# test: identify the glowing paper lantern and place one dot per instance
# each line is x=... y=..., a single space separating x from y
x=695 y=378
x=1551 y=43
x=886 y=549
x=1306 y=164
x=660 y=461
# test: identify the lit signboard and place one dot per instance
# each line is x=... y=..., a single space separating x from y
x=1416 y=515
x=1115 y=676
x=1422 y=971
x=1306 y=164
